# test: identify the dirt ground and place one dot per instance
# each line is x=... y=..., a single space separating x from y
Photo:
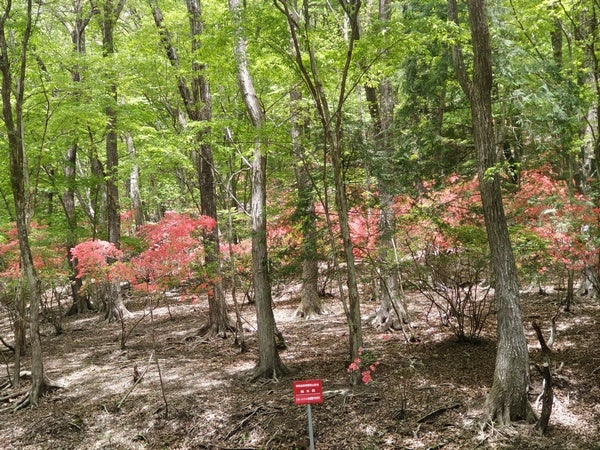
x=424 y=395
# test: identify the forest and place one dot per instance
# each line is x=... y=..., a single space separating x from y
x=204 y=203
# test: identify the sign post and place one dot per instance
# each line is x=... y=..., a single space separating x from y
x=307 y=392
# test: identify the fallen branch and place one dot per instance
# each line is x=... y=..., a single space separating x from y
x=242 y=422
x=437 y=412
x=263 y=409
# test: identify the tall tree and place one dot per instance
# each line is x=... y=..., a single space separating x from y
x=134 y=183
x=110 y=13
x=310 y=301
x=330 y=117
x=507 y=400
x=198 y=107
x=269 y=363
x=391 y=313
x=77 y=29
x=13 y=94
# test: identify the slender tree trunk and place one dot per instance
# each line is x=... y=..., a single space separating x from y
x=507 y=400
x=20 y=332
x=134 y=183
x=12 y=114
x=310 y=302
x=218 y=317
x=269 y=363
x=198 y=107
x=81 y=302
x=111 y=11
x=332 y=130
x=391 y=313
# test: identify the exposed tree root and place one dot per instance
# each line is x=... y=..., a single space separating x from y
x=8 y=397
x=22 y=399
x=212 y=330
x=309 y=313
x=269 y=374
x=384 y=321
x=500 y=414
x=5 y=384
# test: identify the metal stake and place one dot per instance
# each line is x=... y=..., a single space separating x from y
x=310 y=428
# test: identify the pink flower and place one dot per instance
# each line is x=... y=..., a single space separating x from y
x=353 y=366
x=366 y=376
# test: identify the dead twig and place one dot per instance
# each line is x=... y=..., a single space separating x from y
x=139 y=379
x=160 y=377
x=246 y=418
x=437 y=412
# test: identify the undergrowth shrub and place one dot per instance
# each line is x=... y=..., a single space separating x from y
x=452 y=272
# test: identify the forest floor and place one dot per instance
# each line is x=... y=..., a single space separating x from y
x=424 y=395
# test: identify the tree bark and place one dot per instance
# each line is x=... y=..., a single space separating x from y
x=269 y=363
x=12 y=113
x=135 y=195
x=507 y=400
x=219 y=323
x=81 y=302
x=110 y=14
x=392 y=313
x=310 y=302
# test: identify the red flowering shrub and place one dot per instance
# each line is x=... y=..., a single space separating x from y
x=174 y=253
x=92 y=258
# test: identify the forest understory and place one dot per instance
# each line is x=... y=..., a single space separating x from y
x=427 y=394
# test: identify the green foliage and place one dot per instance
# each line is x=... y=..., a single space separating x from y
x=531 y=253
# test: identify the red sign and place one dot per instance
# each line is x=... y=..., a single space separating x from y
x=308 y=391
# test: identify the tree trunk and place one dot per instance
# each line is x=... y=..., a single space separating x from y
x=134 y=183
x=81 y=303
x=332 y=130
x=507 y=400
x=198 y=107
x=111 y=12
x=12 y=114
x=391 y=313
x=218 y=317
x=269 y=363
x=310 y=302
x=20 y=331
